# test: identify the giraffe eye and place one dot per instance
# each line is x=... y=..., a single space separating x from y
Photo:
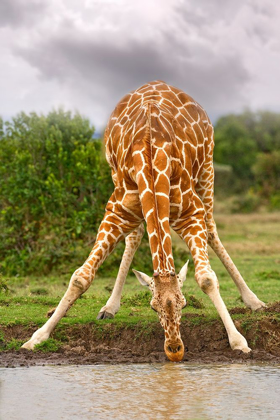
x=153 y=308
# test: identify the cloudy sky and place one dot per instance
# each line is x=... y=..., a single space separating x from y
x=86 y=54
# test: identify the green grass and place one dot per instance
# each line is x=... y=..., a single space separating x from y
x=49 y=345
x=252 y=241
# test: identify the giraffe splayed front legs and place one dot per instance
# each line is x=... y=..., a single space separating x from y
x=159 y=144
x=112 y=229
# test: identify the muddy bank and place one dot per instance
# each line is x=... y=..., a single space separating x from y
x=205 y=342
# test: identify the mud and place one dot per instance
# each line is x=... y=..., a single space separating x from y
x=205 y=342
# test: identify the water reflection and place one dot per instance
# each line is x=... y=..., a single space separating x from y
x=162 y=391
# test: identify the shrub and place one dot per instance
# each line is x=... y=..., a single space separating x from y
x=54 y=184
x=4 y=288
x=246 y=203
x=267 y=172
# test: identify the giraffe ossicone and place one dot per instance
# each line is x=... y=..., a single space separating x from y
x=159 y=144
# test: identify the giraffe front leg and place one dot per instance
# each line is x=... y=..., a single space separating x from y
x=77 y=286
x=195 y=235
x=209 y=284
x=112 y=229
x=132 y=242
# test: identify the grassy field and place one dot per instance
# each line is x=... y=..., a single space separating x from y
x=252 y=241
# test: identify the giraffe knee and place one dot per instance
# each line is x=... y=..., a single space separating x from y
x=208 y=283
x=79 y=283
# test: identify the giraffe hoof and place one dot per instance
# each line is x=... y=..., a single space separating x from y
x=104 y=315
x=238 y=342
x=241 y=349
x=261 y=308
x=28 y=346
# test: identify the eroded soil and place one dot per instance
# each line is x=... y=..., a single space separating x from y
x=205 y=342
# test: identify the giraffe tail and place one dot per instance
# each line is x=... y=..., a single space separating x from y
x=151 y=151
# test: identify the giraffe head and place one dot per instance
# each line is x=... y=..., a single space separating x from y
x=168 y=301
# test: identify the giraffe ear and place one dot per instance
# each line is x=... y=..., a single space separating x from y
x=142 y=277
x=183 y=273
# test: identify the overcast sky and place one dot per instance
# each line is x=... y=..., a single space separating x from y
x=87 y=54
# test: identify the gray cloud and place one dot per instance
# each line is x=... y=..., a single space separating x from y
x=89 y=54
x=109 y=69
x=18 y=13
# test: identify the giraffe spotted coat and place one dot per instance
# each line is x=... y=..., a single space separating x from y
x=159 y=144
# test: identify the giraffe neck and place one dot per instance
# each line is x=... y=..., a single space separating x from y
x=151 y=156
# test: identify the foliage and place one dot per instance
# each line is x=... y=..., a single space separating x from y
x=14 y=344
x=235 y=147
x=267 y=173
x=263 y=127
x=51 y=345
x=54 y=184
x=250 y=144
x=4 y=288
x=224 y=179
x=247 y=202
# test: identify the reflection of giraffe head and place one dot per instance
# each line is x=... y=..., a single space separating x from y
x=168 y=301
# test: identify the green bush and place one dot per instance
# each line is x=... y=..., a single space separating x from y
x=235 y=147
x=4 y=288
x=267 y=173
x=54 y=185
x=274 y=201
x=246 y=203
x=242 y=141
x=224 y=179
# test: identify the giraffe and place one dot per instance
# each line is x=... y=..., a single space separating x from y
x=159 y=145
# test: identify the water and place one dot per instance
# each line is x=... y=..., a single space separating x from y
x=147 y=391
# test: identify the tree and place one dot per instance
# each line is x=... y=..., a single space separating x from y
x=267 y=172
x=241 y=138
x=235 y=147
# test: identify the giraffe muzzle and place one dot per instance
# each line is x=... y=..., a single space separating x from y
x=174 y=351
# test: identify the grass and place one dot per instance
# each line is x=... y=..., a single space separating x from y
x=252 y=241
x=50 y=345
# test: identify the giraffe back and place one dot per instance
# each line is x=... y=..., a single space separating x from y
x=194 y=131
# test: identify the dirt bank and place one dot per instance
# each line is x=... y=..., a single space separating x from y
x=205 y=342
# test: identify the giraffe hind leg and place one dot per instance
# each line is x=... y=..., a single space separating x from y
x=248 y=297
x=132 y=242
x=205 y=190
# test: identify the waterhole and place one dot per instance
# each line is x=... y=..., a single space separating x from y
x=140 y=391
